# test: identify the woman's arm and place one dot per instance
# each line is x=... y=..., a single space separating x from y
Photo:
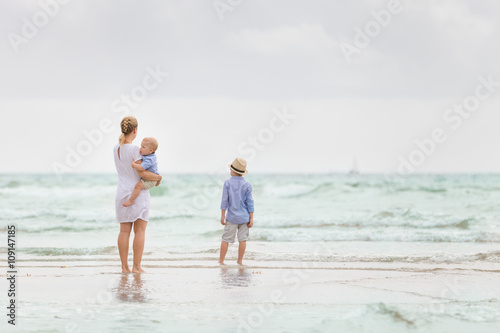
x=148 y=175
x=144 y=174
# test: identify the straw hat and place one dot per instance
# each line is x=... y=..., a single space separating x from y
x=239 y=166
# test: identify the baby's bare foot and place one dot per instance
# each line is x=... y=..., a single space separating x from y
x=138 y=270
x=128 y=203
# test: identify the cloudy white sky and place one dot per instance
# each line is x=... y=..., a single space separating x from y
x=228 y=77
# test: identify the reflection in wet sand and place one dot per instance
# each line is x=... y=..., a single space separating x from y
x=130 y=289
x=235 y=277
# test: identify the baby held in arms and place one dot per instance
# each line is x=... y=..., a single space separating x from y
x=148 y=162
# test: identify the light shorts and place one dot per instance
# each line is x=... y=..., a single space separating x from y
x=148 y=183
x=229 y=233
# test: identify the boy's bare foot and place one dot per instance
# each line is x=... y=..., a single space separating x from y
x=128 y=203
x=138 y=270
x=126 y=270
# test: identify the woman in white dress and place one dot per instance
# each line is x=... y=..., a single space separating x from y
x=137 y=215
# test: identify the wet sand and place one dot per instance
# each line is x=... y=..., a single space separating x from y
x=79 y=297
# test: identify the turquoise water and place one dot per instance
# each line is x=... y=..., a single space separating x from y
x=291 y=209
x=417 y=224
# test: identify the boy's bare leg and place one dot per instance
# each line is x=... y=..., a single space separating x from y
x=223 y=251
x=139 y=240
x=135 y=193
x=241 y=252
x=123 y=241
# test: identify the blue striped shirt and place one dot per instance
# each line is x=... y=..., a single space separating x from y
x=150 y=163
x=237 y=200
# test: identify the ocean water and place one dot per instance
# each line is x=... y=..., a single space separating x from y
x=325 y=222
x=372 y=211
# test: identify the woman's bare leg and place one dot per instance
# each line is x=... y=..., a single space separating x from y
x=139 y=240
x=123 y=241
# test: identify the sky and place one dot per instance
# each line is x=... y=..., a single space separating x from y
x=293 y=86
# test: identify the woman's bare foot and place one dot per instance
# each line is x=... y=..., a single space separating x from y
x=138 y=270
x=126 y=270
x=128 y=203
x=240 y=263
x=222 y=263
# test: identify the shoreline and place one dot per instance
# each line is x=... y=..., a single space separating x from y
x=89 y=296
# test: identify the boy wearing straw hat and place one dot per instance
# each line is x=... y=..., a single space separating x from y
x=238 y=202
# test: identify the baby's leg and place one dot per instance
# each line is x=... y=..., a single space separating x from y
x=135 y=193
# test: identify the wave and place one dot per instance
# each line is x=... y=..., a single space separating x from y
x=395 y=314
x=419 y=316
x=12 y=184
x=375 y=235
x=209 y=254
x=65 y=229
x=462 y=224
x=400 y=218
x=300 y=208
x=404 y=217
x=415 y=182
x=438 y=258
x=54 y=251
x=160 y=191
x=89 y=224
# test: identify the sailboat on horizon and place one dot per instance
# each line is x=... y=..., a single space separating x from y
x=354 y=169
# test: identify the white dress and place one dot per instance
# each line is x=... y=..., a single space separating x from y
x=127 y=179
